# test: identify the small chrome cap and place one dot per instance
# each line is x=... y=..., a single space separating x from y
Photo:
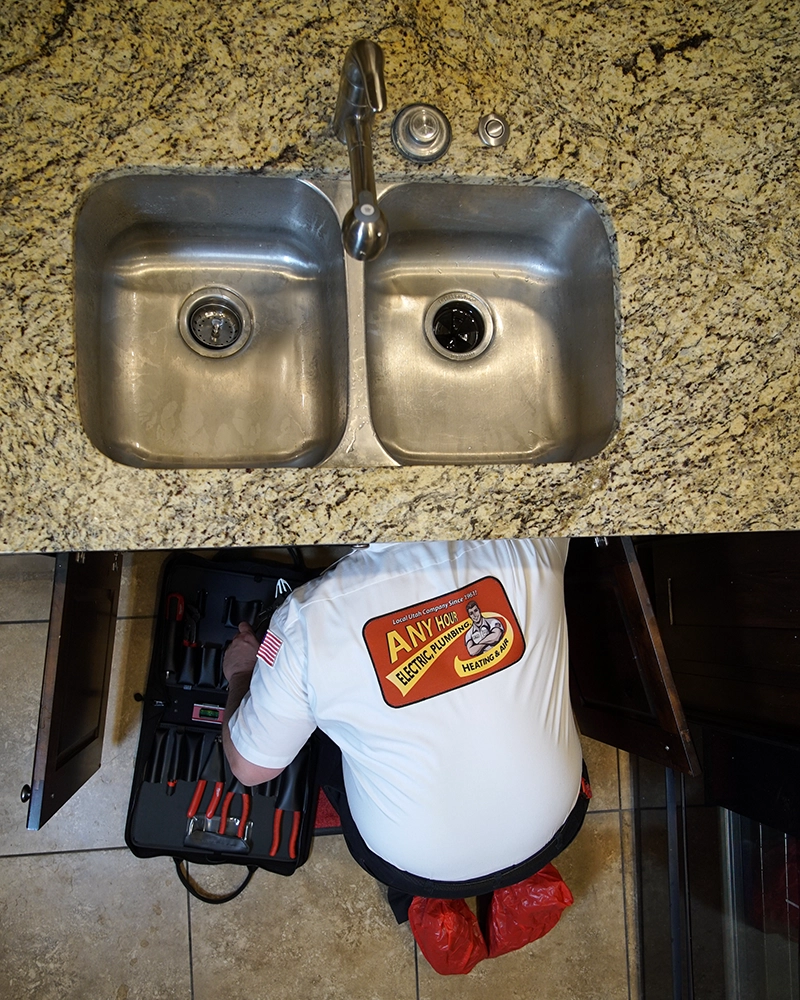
x=493 y=130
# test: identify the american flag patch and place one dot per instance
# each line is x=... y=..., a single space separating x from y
x=268 y=650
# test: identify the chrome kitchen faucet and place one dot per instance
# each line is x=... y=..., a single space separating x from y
x=362 y=92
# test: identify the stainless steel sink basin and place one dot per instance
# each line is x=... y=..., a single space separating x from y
x=211 y=321
x=490 y=326
x=218 y=323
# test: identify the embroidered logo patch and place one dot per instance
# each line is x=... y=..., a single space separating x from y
x=446 y=642
x=269 y=648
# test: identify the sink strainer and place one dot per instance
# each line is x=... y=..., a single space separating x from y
x=215 y=322
x=459 y=325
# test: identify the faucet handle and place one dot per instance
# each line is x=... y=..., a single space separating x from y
x=368 y=56
x=362 y=89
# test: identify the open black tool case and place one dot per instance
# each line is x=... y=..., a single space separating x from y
x=185 y=803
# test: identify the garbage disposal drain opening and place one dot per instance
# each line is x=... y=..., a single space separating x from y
x=459 y=326
x=215 y=322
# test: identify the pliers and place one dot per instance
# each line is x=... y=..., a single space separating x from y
x=290 y=798
x=214 y=770
x=276 y=833
x=235 y=788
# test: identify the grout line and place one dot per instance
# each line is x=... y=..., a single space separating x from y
x=46 y=621
x=688 y=807
x=189 y=932
x=53 y=851
x=623 y=873
x=25 y=621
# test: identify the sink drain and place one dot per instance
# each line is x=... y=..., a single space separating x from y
x=459 y=326
x=215 y=322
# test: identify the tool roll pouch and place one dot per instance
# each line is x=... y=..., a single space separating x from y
x=185 y=802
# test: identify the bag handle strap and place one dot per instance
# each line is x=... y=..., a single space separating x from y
x=200 y=893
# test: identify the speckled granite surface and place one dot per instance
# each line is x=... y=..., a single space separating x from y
x=683 y=118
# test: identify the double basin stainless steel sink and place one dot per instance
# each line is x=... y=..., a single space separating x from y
x=218 y=323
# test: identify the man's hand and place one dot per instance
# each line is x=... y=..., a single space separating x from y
x=240 y=656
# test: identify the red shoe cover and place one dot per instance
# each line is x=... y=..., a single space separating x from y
x=448 y=935
x=526 y=911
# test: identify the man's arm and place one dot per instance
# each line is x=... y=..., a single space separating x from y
x=492 y=637
x=495 y=633
x=238 y=666
x=473 y=648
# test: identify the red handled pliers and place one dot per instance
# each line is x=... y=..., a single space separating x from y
x=276 y=833
x=214 y=770
x=290 y=798
x=236 y=788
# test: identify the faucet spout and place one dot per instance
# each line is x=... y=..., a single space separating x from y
x=362 y=93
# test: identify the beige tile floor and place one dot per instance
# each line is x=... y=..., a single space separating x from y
x=83 y=919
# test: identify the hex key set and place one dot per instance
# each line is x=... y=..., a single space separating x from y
x=185 y=802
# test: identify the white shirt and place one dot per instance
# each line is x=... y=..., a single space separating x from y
x=455 y=766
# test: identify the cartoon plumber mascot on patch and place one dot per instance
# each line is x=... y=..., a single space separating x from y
x=485 y=632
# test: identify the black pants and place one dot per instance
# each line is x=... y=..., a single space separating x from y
x=402 y=885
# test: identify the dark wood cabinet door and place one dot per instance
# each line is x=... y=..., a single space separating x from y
x=729 y=612
x=72 y=712
x=622 y=689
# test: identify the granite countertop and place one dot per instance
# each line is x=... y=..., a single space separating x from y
x=683 y=119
